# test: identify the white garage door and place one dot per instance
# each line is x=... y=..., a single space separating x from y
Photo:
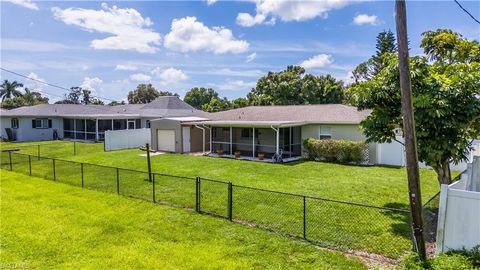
x=166 y=140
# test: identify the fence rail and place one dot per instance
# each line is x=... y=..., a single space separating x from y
x=326 y=222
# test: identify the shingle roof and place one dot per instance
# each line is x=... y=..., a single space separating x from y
x=165 y=106
x=321 y=113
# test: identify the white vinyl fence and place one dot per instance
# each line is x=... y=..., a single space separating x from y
x=394 y=154
x=459 y=211
x=126 y=139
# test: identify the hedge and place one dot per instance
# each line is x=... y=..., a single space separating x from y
x=340 y=151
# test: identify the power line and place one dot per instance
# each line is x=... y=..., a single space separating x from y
x=466 y=11
x=46 y=83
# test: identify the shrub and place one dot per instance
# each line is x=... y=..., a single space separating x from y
x=335 y=150
x=445 y=261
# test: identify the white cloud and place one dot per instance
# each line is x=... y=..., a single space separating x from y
x=91 y=83
x=35 y=85
x=236 y=85
x=170 y=75
x=128 y=29
x=125 y=67
x=362 y=19
x=289 y=10
x=24 y=3
x=188 y=34
x=251 y=57
x=140 y=77
x=211 y=2
x=317 y=61
x=31 y=45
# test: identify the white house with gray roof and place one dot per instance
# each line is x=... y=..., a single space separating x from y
x=87 y=122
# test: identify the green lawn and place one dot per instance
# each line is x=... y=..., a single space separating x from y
x=48 y=225
x=328 y=223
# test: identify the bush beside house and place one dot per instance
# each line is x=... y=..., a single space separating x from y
x=341 y=151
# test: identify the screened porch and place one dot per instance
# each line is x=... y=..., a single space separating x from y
x=94 y=129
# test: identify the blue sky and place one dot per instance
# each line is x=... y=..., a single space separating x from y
x=111 y=47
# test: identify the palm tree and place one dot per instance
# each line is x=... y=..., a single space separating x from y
x=9 y=89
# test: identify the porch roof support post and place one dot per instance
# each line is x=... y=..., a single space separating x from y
x=96 y=130
x=211 y=140
x=277 y=141
x=253 y=143
x=231 y=146
x=75 y=129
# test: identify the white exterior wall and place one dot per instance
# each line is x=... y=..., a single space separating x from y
x=25 y=132
x=459 y=212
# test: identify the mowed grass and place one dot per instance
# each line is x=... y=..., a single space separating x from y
x=327 y=223
x=48 y=225
x=376 y=185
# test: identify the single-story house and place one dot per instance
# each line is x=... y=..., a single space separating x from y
x=270 y=130
x=87 y=122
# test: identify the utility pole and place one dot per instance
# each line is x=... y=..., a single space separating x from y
x=409 y=130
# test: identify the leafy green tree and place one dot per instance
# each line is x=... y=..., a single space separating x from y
x=199 y=96
x=29 y=98
x=216 y=105
x=366 y=70
x=10 y=89
x=115 y=103
x=239 y=103
x=146 y=93
x=446 y=101
x=293 y=87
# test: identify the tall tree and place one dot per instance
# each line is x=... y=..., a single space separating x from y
x=292 y=87
x=445 y=99
x=216 y=105
x=10 y=89
x=29 y=98
x=146 y=93
x=366 y=70
x=239 y=103
x=199 y=96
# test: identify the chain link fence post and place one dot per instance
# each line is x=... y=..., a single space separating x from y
x=81 y=173
x=74 y=148
x=304 y=217
x=197 y=193
x=10 y=160
x=118 y=181
x=30 y=164
x=54 y=171
x=153 y=188
x=38 y=151
x=230 y=201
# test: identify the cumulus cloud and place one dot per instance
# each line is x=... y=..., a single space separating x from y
x=128 y=29
x=36 y=84
x=362 y=19
x=317 y=61
x=289 y=10
x=211 y=2
x=170 y=75
x=91 y=83
x=24 y=3
x=125 y=67
x=140 y=77
x=236 y=85
x=189 y=35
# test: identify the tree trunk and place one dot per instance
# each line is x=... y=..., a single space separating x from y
x=443 y=172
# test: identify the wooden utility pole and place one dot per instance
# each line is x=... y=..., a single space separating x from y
x=409 y=131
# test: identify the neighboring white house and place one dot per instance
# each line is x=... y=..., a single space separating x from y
x=87 y=122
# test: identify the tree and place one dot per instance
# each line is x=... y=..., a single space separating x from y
x=146 y=93
x=10 y=89
x=446 y=101
x=29 y=98
x=115 y=103
x=293 y=87
x=199 y=96
x=366 y=70
x=216 y=105
x=239 y=103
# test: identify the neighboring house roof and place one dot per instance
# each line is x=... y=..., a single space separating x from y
x=304 y=114
x=165 y=106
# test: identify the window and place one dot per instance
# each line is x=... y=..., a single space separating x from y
x=325 y=133
x=14 y=123
x=41 y=123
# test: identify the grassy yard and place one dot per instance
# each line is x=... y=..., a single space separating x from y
x=48 y=225
x=333 y=224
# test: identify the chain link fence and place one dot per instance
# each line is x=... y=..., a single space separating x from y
x=58 y=148
x=331 y=223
